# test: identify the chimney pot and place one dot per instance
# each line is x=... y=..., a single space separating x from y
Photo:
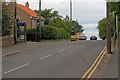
x=27 y=4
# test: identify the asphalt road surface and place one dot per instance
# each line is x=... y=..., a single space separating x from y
x=63 y=59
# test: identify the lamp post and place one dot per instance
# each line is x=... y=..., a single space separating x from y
x=71 y=15
x=40 y=19
x=39 y=23
x=71 y=9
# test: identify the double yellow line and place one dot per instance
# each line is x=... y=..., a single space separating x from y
x=94 y=66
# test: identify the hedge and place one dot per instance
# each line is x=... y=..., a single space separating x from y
x=48 y=32
x=61 y=34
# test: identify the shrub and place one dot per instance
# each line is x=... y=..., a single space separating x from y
x=48 y=32
x=61 y=34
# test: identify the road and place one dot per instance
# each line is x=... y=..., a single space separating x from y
x=64 y=59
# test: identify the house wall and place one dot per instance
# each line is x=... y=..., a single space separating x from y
x=24 y=17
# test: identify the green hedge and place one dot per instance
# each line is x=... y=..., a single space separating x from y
x=50 y=32
x=62 y=34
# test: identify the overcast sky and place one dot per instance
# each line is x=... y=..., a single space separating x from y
x=86 y=12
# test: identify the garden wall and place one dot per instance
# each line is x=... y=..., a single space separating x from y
x=6 y=41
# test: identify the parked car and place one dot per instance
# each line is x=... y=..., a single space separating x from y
x=93 y=38
x=82 y=37
x=74 y=37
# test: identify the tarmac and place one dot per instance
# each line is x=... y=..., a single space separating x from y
x=109 y=68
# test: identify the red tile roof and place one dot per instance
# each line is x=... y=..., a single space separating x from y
x=27 y=10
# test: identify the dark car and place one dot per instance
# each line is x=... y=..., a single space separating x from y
x=93 y=38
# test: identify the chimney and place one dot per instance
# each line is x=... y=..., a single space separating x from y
x=27 y=4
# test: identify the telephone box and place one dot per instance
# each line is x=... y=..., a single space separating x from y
x=21 y=32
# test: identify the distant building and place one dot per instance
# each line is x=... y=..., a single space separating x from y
x=25 y=14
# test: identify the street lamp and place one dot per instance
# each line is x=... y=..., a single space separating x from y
x=71 y=9
x=39 y=25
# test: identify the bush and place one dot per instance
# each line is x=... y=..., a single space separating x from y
x=48 y=32
x=61 y=34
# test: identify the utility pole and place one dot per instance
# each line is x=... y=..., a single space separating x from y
x=108 y=28
x=114 y=41
x=71 y=9
x=117 y=25
x=15 y=25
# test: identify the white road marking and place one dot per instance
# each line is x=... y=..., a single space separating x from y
x=70 y=46
x=41 y=58
x=61 y=50
x=30 y=63
x=16 y=68
x=45 y=57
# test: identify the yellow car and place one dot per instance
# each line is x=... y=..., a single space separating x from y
x=74 y=38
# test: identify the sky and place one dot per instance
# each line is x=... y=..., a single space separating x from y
x=86 y=12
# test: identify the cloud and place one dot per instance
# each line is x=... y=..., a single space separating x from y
x=88 y=26
x=58 y=1
x=88 y=12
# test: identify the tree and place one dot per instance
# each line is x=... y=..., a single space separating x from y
x=102 y=27
x=76 y=27
x=11 y=13
x=6 y=21
x=54 y=19
x=48 y=14
x=114 y=10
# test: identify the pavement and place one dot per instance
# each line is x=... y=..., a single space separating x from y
x=25 y=46
x=108 y=68
x=19 y=47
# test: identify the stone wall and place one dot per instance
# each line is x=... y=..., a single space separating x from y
x=6 y=41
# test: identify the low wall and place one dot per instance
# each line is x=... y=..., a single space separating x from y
x=6 y=41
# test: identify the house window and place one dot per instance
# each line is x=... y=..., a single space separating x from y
x=32 y=22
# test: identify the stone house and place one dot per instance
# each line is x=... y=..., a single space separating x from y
x=25 y=14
